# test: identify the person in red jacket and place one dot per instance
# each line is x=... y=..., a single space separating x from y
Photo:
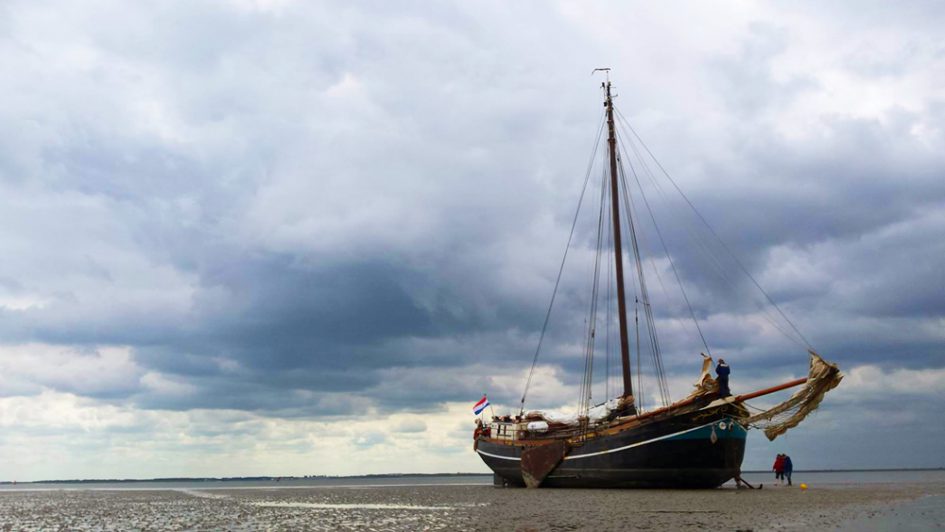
x=779 y=468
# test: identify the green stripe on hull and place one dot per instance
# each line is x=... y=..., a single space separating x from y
x=732 y=430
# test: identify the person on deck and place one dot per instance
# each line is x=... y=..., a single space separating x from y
x=788 y=469
x=778 y=468
x=476 y=432
x=722 y=371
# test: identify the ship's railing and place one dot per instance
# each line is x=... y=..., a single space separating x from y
x=501 y=430
x=512 y=430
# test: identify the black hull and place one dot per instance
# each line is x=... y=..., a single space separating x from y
x=697 y=450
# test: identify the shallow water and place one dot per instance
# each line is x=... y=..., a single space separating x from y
x=406 y=480
x=922 y=514
x=851 y=478
x=812 y=478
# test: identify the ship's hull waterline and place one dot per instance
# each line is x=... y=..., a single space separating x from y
x=681 y=452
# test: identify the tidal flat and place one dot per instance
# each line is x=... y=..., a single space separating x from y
x=466 y=507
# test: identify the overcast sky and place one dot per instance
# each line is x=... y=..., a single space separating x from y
x=267 y=237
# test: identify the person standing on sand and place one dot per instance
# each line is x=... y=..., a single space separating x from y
x=788 y=469
x=722 y=371
x=778 y=468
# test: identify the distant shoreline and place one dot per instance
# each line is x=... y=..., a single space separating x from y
x=385 y=475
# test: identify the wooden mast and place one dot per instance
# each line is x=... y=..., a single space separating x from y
x=618 y=252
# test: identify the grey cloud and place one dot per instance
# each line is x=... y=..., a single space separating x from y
x=319 y=211
x=411 y=426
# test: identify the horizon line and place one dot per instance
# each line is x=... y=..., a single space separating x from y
x=395 y=475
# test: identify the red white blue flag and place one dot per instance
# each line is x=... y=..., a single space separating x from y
x=481 y=405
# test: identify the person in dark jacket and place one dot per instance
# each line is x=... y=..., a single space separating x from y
x=722 y=371
x=788 y=469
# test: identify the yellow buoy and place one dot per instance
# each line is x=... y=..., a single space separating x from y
x=803 y=486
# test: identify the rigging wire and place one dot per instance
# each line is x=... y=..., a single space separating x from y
x=609 y=354
x=604 y=233
x=587 y=383
x=636 y=321
x=644 y=292
x=717 y=237
x=715 y=262
x=554 y=293
x=702 y=246
x=669 y=257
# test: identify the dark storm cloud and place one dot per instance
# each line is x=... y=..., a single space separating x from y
x=320 y=211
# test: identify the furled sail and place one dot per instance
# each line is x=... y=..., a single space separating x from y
x=705 y=384
x=823 y=377
x=597 y=414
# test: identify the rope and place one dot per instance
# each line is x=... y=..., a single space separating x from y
x=672 y=263
x=609 y=353
x=587 y=383
x=717 y=237
x=554 y=293
x=644 y=292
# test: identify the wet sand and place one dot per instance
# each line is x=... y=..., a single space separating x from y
x=464 y=508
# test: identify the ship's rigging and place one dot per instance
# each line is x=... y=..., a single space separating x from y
x=698 y=441
x=628 y=169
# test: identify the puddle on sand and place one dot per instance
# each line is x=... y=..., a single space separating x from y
x=201 y=494
x=327 y=506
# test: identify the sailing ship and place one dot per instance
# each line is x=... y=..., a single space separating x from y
x=696 y=442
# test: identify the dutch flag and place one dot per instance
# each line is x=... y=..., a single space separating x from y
x=481 y=405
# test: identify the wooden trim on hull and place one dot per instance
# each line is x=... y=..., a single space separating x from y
x=674 y=453
x=707 y=410
x=621 y=471
x=639 y=421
